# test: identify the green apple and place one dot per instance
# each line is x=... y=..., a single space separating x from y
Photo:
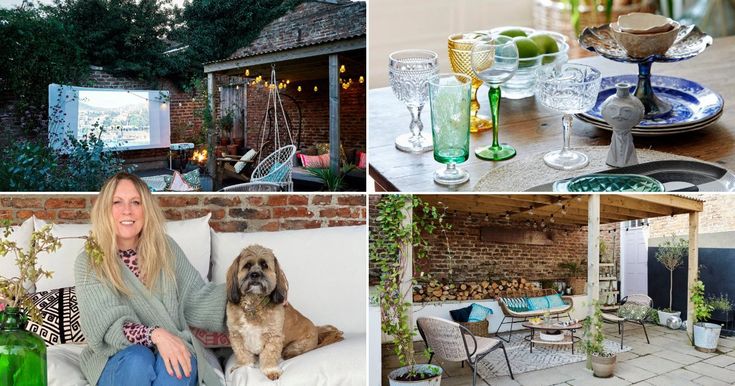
x=546 y=44
x=513 y=33
x=527 y=48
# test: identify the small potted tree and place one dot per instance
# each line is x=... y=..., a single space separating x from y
x=576 y=280
x=706 y=335
x=671 y=255
x=721 y=309
x=390 y=240
x=601 y=361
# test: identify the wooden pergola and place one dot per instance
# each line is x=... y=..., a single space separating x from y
x=589 y=210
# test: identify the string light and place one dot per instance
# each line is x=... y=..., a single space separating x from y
x=298 y=89
x=507 y=216
x=564 y=210
x=551 y=220
x=342 y=69
x=316 y=88
x=362 y=79
x=530 y=210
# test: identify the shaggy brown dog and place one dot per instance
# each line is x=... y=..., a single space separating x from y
x=258 y=321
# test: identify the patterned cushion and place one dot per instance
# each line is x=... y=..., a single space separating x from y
x=211 y=339
x=633 y=311
x=275 y=174
x=555 y=300
x=479 y=313
x=323 y=148
x=314 y=161
x=361 y=160
x=537 y=303
x=462 y=314
x=60 y=315
x=516 y=304
x=191 y=179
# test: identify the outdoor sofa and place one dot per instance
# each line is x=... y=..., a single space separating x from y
x=518 y=306
x=326 y=273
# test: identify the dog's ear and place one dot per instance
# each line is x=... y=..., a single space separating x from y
x=279 y=294
x=233 y=286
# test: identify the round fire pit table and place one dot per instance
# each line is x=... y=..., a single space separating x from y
x=569 y=338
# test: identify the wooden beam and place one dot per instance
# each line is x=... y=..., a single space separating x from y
x=295 y=53
x=406 y=261
x=211 y=135
x=334 y=144
x=684 y=204
x=623 y=201
x=693 y=268
x=593 y=250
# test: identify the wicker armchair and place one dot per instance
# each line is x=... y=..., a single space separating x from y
x=257 y=186
x=633 y=309
x=453 y=342
x=510 y=312
x=276 y=168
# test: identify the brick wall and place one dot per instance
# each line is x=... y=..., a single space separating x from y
x=474 y=259
x=230 y=213
x=718 y=216
x=314 y=108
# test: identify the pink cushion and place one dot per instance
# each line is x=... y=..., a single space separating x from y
x=314 y=161
x=211 y=339
x=362 y=160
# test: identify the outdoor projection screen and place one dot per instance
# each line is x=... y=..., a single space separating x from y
x=123 y=119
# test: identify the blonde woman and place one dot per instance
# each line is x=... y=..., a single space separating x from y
x=138 y=294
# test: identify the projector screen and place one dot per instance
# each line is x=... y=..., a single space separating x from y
x=123 y=119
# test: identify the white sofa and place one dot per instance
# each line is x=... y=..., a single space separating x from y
x=327 y=274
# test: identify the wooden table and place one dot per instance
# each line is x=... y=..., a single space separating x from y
x=569 y=339
x=531 y=128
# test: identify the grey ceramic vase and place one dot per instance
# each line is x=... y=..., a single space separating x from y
x=622 y=112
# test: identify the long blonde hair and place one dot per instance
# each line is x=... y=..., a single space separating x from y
x=154 y=254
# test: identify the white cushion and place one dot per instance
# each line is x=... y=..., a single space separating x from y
x=326 y=270
x=343 y=363
x=22 y=237
x=191 y=235
x=63 y=365
x=247 y=157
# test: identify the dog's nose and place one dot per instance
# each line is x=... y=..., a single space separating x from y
x=254 y=275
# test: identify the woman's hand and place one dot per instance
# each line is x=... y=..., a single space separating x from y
x=173 y=352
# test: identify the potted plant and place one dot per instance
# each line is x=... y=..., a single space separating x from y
x=389 y=243
x=721 y=308
x=671 y=255
x=601 y=361
x=706 y=335
x=576 y=281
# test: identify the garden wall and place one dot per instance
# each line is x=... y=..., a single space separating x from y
x=474 y=259
x=718 y=216
x=230 y=213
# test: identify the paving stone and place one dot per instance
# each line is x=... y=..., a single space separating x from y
x=684 y=359
x=707 y=381
x=646 y=349
x=654 y=364
x=549 y=376
x=712 y=371
x=632 y=373
x=626 y=356
x=592 y=381
x=678 y=377
x=727 y=342
x=721 y=361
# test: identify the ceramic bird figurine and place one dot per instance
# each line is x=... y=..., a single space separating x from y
x=622 y=112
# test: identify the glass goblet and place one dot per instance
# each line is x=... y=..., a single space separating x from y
x=460 y=58
x=449 y=97
x=494 y=61
x=569 y=88
x=409 y=72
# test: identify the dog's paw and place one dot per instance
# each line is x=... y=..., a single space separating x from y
x=272 y=373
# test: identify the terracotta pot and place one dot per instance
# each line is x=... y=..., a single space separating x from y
x=218 y=150
x=603 y=367
x=239 y=141
x=224 y=141
x=578 y=284
x=232 y=149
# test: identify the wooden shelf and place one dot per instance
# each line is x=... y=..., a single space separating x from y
x=609 y=278
x=607 y=264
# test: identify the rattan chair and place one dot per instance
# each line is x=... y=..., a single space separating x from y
x=455 y=343
x=258 y=186
x=276 y=168
x=633 y=309
x=521 y=316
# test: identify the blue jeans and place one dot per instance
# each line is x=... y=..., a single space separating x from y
x=138 y=365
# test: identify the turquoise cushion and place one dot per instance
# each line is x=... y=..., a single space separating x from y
x=275 y=175
x=555 y=301
x=479 y=313
x=516 y=304
x=537 y=303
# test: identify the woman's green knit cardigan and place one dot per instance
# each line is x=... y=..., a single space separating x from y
x=173 y=306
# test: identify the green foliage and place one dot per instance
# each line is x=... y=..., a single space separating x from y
x=720 y=303
x=592 y=342
x=593 y=5
x=652 y=316
x=37 y=49
x=575 y=269
x=14 y=288
x=333 y=182
x=388 y=246
x=671 y=254
x=702 y=309
x=35 y=166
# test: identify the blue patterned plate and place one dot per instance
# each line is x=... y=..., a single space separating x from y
x=692 y=103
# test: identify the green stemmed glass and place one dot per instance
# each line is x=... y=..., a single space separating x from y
x=494 y=61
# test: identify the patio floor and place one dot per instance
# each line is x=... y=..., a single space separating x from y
x=668 y=361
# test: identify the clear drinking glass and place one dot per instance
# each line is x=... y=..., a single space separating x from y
x=409 y=72
x=449 y=96
x=569 y=88
x=494 y=61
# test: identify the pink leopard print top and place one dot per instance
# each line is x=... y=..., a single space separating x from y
x=135 y=332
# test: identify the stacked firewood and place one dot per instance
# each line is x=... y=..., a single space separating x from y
x=436 y=291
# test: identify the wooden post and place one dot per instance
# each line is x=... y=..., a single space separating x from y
x=593 y=250
x=406 y=286
x=334 y=143
x=693 y=268
x=211 y=162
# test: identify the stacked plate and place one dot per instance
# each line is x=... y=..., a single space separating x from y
x=694 y=106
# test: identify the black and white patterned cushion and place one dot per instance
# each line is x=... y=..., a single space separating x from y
x=60 y=314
